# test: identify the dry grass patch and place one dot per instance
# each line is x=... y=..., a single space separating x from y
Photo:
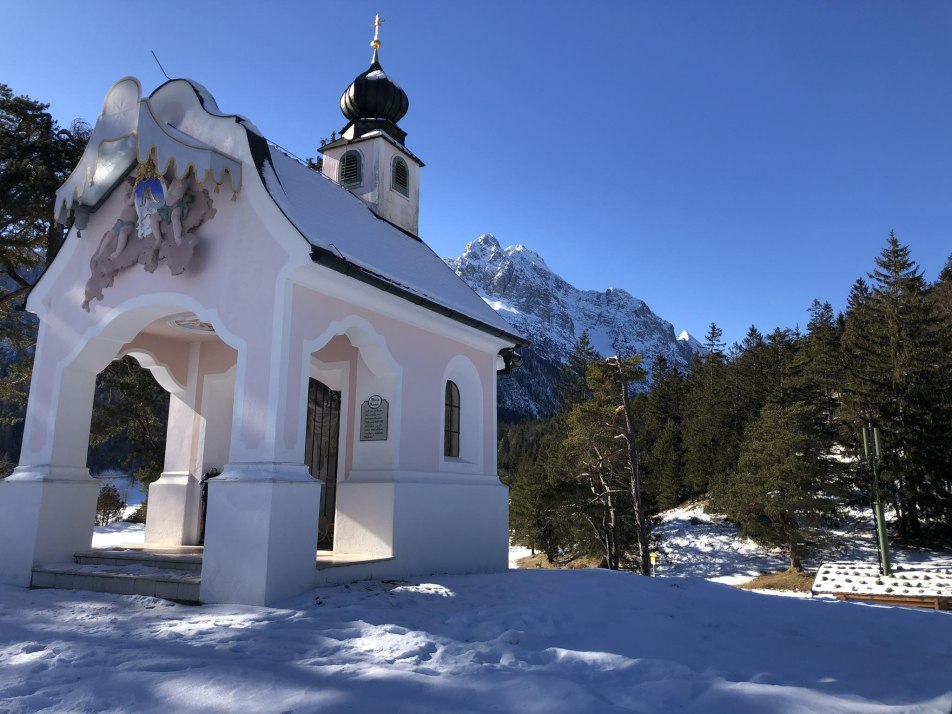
x=565 y=563
x=792 y=580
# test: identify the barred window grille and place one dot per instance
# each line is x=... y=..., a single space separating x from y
x=400 y=181
x=351 y=171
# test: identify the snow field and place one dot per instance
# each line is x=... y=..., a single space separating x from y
x=528 y=641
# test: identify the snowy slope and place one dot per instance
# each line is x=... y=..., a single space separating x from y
x=517 y=283
x=523 y=641
x=694 y=543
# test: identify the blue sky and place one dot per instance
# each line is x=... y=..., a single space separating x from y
x=723 y=161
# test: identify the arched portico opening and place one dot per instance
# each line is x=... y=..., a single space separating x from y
x=184 y=353
x=50 y=499
x=198 y=369
x=347 y=372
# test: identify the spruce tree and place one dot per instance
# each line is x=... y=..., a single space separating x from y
x=573 y=385
x=817 y=369
x=710 y=443
x=660 y=411
x=778 y=487
x=550 y=504
x=898 y=380
x=36 y=156
x=129 y=418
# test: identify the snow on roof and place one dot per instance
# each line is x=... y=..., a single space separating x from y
x=923 y=580
x=334 y=220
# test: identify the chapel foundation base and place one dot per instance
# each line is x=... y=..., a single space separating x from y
x=44 y=520
x=465 y=530
x=260 y=534
x=173 y=515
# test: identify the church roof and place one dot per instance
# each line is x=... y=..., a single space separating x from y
x=347 y=236
x=181 y=128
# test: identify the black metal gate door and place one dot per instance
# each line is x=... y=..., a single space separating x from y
x=320 y=452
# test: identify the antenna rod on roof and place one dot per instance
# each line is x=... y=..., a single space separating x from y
x=160 y=65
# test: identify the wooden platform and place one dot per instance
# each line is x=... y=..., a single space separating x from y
x=931 y=602
x=925 y=585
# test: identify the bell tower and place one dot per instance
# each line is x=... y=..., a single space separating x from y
x=370 y=158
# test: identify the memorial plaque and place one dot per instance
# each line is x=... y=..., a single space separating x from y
x=374 y=419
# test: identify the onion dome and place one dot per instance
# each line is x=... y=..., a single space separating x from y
x=373 y=100
x=373 y=95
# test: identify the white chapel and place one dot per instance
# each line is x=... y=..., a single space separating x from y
x=331 y=367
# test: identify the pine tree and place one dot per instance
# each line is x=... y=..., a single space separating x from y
x=540 y=498
x=601 y=451
x=109 y=505
x=898 y=380
x=660 y=411
x=710 y=442
x=36 y=156
x=547 y=499
x=573 y=385
x=778 y=486
x=817 y=369
x=129 y=419
x=750 y=378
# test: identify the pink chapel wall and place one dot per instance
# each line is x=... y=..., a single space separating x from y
x=422 y=357
x=231 y=284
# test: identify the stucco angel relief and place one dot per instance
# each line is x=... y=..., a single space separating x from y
x=158 y=220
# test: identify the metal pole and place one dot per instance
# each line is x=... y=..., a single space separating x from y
x=874 y=454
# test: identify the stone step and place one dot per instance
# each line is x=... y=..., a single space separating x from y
x=173 y=560
x=162 y=582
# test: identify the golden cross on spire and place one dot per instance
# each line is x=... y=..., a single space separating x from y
x=375 y=42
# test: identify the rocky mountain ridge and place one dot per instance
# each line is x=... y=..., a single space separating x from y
x=552 y=314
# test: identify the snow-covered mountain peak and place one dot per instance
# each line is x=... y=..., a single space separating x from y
x=553 y=314
x=481 y=251
x=687 y=338
x=519 y=251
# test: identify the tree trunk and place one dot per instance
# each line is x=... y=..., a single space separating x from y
x=641 y=521
x=793 y=551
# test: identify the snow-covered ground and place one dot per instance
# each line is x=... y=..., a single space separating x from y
x=697 y=544
x=692 y=543
x=522 y=641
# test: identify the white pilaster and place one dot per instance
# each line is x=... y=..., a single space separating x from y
x=260 y=533
x=174 y=500
x=46 y=515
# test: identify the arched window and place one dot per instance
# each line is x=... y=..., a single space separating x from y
x=351 y=169
x=451 y=421
x=400 y=176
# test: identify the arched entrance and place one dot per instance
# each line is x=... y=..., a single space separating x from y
x=50 y=500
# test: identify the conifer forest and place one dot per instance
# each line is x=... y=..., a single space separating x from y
x=769 y=431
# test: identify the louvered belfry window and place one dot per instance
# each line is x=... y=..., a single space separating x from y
x=451 y=424
x=351 y=171
x=400 y=181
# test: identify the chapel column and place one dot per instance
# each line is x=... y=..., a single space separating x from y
x=48 y=504
x=261 y=522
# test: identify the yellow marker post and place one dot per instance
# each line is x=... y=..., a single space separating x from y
x=654 y=559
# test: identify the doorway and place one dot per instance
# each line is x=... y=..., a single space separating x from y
x=322 y=441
